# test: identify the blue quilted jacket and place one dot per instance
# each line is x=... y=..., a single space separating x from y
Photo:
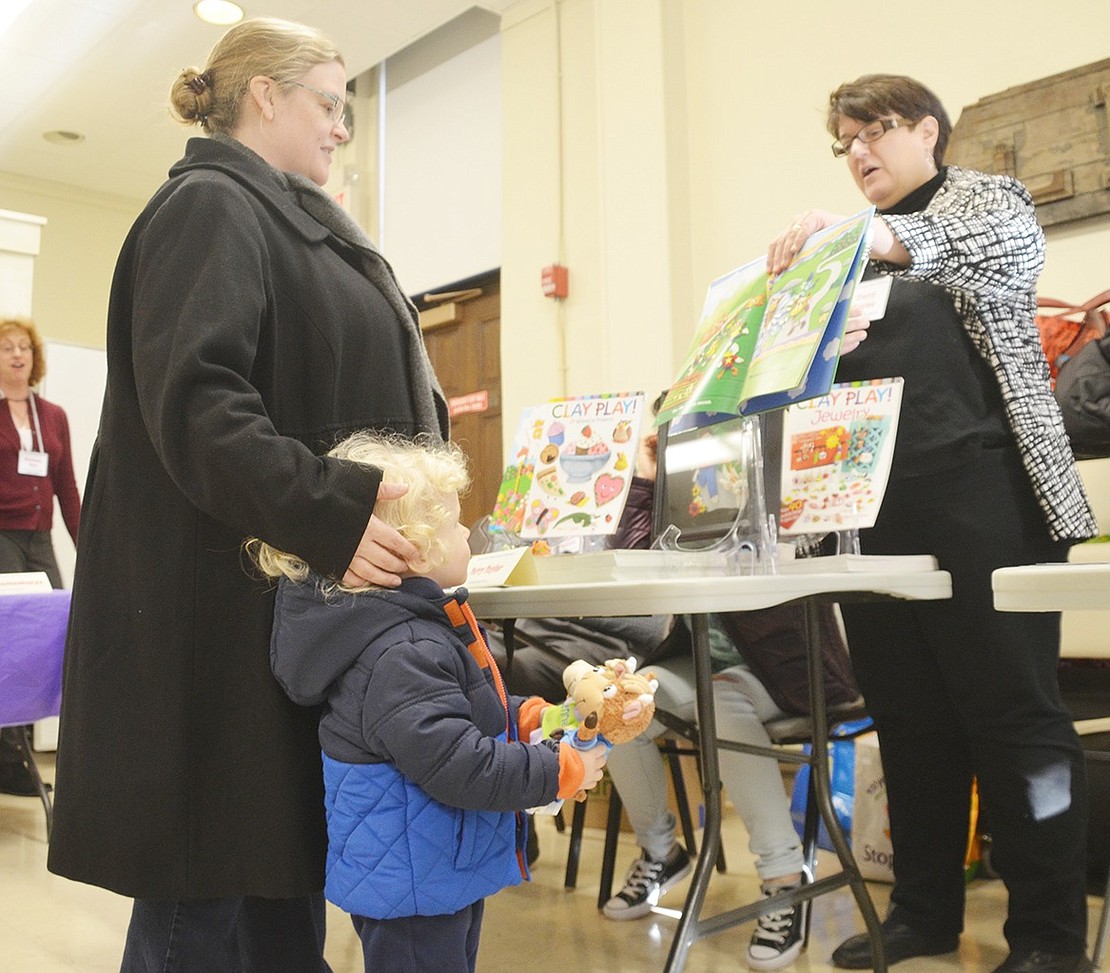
x=424 y=777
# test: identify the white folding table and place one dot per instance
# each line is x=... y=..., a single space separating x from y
x=697 y=597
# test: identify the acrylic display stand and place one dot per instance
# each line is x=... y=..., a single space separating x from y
x=748 y=544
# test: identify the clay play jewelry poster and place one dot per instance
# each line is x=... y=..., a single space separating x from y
x=836 y=456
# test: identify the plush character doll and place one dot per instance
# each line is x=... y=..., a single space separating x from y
x=605 y=705
x=611 y=703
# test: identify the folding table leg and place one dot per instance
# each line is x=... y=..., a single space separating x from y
x=23 y=738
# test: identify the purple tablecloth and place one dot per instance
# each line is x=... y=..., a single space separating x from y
x=32 y=639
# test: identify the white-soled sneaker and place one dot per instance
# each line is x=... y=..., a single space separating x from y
x=646 y=882
x=779 y=935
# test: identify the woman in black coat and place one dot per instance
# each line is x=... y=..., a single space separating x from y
x=251 y=326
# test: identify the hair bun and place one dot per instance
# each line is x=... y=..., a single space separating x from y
x=199 y=83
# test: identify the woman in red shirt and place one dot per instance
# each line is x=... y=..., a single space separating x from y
x=36 y=465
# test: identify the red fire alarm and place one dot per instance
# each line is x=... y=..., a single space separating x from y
x=554 y=280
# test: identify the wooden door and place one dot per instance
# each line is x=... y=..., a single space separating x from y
x=462 y=330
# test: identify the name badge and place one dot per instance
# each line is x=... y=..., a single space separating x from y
x=32 y=463
x=871 y=296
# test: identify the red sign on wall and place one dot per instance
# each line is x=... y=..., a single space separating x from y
x=459 y=405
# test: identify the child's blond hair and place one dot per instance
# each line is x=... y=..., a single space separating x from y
x=431 y=470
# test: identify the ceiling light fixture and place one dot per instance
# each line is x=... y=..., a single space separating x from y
x=61 y=136
x=222 y=12
x=10 y=14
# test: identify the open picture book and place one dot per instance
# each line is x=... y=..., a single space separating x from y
x=762 y=342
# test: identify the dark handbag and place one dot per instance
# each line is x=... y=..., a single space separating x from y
x=1070 y=327
x=1083 y=392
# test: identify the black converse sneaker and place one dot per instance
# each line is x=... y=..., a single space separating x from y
x=778 y=935
x=646 y=882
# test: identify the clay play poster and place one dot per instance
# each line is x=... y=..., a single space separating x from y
x=836 y=455
x=572 y=467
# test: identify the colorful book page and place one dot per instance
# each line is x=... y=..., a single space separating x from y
x=582 y=452
x=837 y=450
x=516 y=481
x=763 y=343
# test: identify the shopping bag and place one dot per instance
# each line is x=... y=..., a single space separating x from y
x=841 y=764
x=862 y=780
x=870 y=819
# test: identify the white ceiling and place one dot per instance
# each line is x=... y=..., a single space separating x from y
x=103 y=68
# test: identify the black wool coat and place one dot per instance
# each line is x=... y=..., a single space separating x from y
x=242 y=344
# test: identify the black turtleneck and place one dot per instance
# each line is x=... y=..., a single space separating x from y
x=951 y=406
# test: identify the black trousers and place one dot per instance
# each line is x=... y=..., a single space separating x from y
x=959 y=690
x=236 y=935
x=29 y=550
x=419 y=944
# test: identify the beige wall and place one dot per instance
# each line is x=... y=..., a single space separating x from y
x=651 y=145
x=692 y=131
x=595 y=176
x=73 y=271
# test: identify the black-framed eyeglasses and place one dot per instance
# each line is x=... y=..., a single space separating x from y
x=337 y=107
x=871 y=132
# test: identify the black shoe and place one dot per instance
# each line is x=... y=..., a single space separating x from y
x=901 y=943
x=17 y=779
x=646 y=882
x=532 y=852
x=779 y=936
x=1036 y=961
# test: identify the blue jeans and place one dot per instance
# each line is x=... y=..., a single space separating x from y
x=239 y=935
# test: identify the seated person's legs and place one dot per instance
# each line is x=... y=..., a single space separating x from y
x=754 y=784
x=533 y=671
x=639 y=775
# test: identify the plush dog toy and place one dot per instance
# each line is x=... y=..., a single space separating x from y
x=612 y=703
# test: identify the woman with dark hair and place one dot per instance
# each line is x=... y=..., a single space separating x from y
x=983 y=477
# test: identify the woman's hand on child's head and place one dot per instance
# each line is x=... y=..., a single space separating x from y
x=382 y=555
x=593 y=762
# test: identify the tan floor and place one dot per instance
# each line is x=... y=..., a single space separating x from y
x=50 y=925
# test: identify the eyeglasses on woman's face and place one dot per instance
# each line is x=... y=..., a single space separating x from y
x=336 y=106
x=8 y=347
x=871 y=132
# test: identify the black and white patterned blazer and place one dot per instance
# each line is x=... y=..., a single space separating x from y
x=979 y=239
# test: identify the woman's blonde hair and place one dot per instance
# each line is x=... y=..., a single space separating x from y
x=27 y=326
x=433 y=471
x=278 y=49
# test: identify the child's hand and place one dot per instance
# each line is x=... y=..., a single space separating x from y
x=593 y=762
